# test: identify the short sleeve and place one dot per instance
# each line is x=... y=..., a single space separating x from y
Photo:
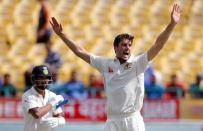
x=142 y=62
x=97 y=62
x=51 y=94
x=29 y=102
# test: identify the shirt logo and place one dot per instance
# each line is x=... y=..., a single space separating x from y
x=110 y=70
x=26 y=101
x=128 y=66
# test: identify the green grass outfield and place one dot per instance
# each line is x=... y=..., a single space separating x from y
x=88 y=126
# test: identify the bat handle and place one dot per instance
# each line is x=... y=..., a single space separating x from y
x=61 y=103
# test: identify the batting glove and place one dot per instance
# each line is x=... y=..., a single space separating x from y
x=53 y=122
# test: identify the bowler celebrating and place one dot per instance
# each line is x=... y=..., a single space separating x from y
x=123 y=75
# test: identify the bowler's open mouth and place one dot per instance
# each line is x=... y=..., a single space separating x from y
x=126 y=53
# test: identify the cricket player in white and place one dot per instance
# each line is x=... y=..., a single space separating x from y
x=123 y=75
x=39 y=104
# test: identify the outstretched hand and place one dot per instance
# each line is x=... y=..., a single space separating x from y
x=175 y=14
x=56 y=26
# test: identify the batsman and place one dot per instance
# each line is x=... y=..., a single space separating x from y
x=41 y=107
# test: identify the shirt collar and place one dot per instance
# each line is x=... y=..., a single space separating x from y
x=128 y=61
x=36 y=93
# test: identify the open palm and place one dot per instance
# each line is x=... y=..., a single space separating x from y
x=56 y=26
x=175 y=14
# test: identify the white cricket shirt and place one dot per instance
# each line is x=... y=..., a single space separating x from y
x=124 y=83
x=32 y=99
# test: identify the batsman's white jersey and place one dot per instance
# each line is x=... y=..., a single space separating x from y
x=124 y=87
x=32 y=99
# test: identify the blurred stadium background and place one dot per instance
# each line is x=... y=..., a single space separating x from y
x=93 y=24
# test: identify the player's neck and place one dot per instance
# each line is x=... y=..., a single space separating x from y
x=41 y=92
x=121 y=61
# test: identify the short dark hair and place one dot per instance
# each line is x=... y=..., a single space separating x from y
x=120 y=37
x=6 y=75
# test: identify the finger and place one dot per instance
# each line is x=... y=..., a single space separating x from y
x=173 y=7
x=54 y=20
x=51 y=23
x=60 y=26
x=177 y=6
x=179 y=9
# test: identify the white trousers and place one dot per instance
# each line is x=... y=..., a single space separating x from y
x=131 y=123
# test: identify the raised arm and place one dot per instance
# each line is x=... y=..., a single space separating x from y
x=79 y=51
x=163 y=37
